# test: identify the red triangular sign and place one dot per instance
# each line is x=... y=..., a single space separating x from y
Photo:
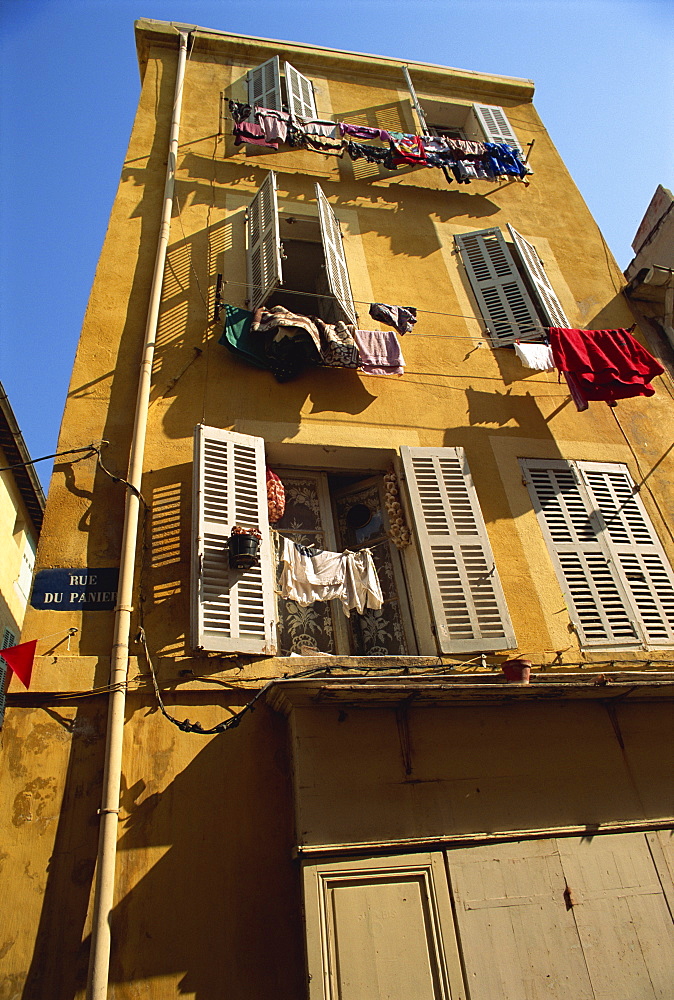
x=20 y=660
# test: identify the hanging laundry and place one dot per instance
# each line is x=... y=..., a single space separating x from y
x=253 y=134
x=318 y=144
x=605 y=364
x=291 y=341
x=505 y=161
x=402 y=318
x=364 y=132
x=407 y=148
x=238 y=337
x=373 y=154
x=538 y=356
x=239 y=111
x=338 y=347
x=276 y=497
x=273 y=123
x=349 y=577
x=380 y=352
x=320 y=127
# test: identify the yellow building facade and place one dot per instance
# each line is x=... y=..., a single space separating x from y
x=394 y=819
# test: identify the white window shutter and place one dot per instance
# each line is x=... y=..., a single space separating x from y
x=263 y=243
x=635 y=548
x=300 y=91
x=596 y=599
x=465 y=592
x=504 y=302
x=534 y=267
x=233 y=611
x=335 y=261
x=495 y=124
x=264 y=85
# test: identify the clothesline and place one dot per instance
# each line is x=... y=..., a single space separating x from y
x=299 y=531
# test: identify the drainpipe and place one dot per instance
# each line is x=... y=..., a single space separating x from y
x=99 y=958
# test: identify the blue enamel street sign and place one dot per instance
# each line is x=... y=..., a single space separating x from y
x=75 y=589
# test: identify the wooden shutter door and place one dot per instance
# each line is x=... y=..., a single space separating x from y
x=263 y=243
x=503 y=300
x=594 y=593
x=264 y=85
x=517 y=938
x=381 y=928
x=300 y=91
x=335 y=261
x=232 y=610
x=636 y=551
x=534 y=267
x=466 y=597
x=495 y=124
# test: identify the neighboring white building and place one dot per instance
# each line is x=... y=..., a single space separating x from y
x=650 y=273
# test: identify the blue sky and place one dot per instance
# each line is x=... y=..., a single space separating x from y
x=69 y=85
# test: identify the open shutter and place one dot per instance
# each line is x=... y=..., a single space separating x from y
x=503 y=300
x=495 y=124
x=300 y=91
x=597 y=601
x=534 y=267
x=264 y=85
x=232 y=610
x=335 y=262
x=466 y=597
x=263 y=243
x=635 y=549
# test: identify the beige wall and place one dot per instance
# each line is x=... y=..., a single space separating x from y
x=16 y=541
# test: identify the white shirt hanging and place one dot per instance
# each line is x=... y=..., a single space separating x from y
x=349 y=577
x=538 y=356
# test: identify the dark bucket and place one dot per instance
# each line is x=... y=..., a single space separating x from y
x=243 y=551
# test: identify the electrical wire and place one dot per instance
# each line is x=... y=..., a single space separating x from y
x=664 y=520
x=91 y=449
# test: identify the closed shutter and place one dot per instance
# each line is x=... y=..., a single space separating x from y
x=504 y=302
x=335 y=261
x=232 y=610
x=8 y=639
x=264 y=85
x=300 y=91
x=534 y=267
x=466 y=597
x=495 y=124
x=614 y=573
x=635 y=549
x=263 y=243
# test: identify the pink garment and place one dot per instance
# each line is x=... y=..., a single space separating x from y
x=251 y=133
x=605 y=364
x=274 y=124
x=380 y=352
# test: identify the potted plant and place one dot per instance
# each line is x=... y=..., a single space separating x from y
x=517 y=670
x=244 y=545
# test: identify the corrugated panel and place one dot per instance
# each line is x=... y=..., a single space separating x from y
x=465 y=591
x=263 y=243
x=335 y=259
x=232 y=611
x=503 y=300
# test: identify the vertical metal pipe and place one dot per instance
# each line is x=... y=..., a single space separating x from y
x=99 y=957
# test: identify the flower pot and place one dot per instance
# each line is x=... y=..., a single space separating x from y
x=243 y=551
x=517 y=671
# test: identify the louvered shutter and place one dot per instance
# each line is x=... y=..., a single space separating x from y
x=466 y=597
x=7 y=641
x=504 y=302
x=263 y=243
x=534 y=267
x=595 y=596
x=264 y=85
x=232 y=610
x=335 y=261
x=635 y=549
x=300 y=91
x=495 y=124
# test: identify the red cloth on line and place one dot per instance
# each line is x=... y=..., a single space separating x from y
x=20 y=660
x=605 y=364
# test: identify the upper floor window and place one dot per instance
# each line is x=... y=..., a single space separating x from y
x=613 y=571
x=292 y=91
x=477 y=122
x=510 y=284
x=308 y=250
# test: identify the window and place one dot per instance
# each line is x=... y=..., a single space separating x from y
x=513 y=292
x=478 y=122
x=25 y=578
x=294 y=93
x=310 y=254
x=8 y=639
x=235 y=611
x=617 y=581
